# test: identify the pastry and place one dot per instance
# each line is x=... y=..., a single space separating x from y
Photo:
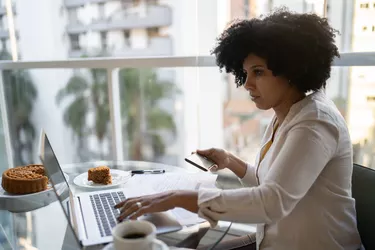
x=100 y=175
x=24 y=179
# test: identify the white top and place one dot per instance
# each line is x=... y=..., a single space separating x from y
x=303 y=198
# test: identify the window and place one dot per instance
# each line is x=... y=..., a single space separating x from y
x=103 y=40
x=364 y=28
x=101 y=11
x=136 y=2
x=373 y=28
x=73 y=16
x=153 y=32
x=364 y=5
x=125 y=4
x=3 y=44
x=74 y=42
x=2 y=22
x=246 y=8
x=127 y=37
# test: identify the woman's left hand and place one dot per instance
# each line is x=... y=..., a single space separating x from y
x=133 y=208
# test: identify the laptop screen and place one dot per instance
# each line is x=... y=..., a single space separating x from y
x=59 y=183
x=54 y=172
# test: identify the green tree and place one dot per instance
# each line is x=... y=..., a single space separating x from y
x=20 y=93
x=88 y=94
x=91 y=95
x=141 y=92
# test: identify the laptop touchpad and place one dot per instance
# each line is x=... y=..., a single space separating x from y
x=163 y=222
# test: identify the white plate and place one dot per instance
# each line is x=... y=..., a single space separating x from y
x=20 y=203
x=118 y=177
x=110 y=246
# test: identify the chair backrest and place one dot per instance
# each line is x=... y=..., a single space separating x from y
x=363 y=191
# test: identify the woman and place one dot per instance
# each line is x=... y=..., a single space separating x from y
x=299 y=191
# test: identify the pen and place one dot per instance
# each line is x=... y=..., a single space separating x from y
x=156 y=171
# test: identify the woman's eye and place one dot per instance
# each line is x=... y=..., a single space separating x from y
x=258 y=72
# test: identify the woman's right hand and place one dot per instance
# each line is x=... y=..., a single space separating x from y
x=219 y=156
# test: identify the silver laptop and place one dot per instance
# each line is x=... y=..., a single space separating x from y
x=91 y=215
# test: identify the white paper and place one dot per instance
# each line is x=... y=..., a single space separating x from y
x=172 y=181
x=146 y=184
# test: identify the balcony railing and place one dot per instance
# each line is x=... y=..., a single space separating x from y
x=347 y=59
x=77 y=3
x=74 y=3
x=157 y=46
x=155 y=16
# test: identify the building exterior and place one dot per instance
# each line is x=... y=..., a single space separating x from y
x=361 y=107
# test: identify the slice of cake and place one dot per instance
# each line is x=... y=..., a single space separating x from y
x=100 y=175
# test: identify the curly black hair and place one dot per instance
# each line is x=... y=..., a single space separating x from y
x=299 y=47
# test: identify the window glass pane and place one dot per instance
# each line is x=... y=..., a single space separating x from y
x=157 y=107
x=351 y=89
x=361 y=114
x=151 y=103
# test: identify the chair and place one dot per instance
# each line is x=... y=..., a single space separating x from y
x=363 y=188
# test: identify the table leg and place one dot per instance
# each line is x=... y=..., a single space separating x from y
x=192 y=241
x=70 y=241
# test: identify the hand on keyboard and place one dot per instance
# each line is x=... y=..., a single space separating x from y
x=133 y=208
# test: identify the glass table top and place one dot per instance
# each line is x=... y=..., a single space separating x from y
x=46 y=227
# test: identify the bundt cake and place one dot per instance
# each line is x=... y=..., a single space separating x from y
x=25 y=179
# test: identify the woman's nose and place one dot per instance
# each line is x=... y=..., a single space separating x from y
x=249 y=85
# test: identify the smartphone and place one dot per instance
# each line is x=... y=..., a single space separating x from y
x=199 y=161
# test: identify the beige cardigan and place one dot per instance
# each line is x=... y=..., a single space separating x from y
x=303 y=198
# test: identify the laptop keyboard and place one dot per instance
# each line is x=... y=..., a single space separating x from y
x=105 y=214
